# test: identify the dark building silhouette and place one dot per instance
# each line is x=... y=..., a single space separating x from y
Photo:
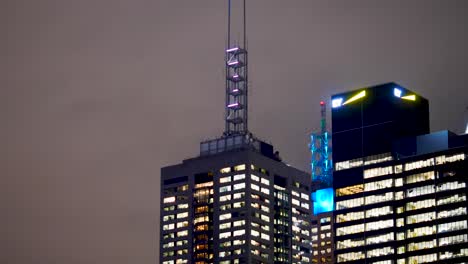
x=400 y=193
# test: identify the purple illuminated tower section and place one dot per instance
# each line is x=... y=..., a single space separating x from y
x=236 y=73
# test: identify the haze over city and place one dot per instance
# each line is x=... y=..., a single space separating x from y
x=98 y=96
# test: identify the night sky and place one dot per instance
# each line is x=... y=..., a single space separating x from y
x=97 y=96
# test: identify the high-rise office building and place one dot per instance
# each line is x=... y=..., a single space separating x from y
x=235 y=203
x=400 y=195
x=322 y=192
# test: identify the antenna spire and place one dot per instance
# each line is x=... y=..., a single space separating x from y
x=236 y=115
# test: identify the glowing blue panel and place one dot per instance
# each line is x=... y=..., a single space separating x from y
x=323 y=200
x=337 y=102
x=397 y=92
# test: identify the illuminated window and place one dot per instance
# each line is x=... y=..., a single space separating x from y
x=350 y=190
x=379 y=225
x=239 y=167
x=182 y=233
x=379 y=238
x=238 y=232
x=424 y=176
x=255 y=187
x=182 y=206
x=169 y=199
x=341 y=218
x=182 y=215
x=421 y=231
x=225 y=170
x=378 y=185
x=265 y=181
x=225 y=225
x=182 y=224
x=423 y=258
x=419 y=218
x=225 y=179
x=378 y=198
x=225 y=216
x=168 y=217
x=380 y=252
x=350 y=256
x=350 y=243
x=375 y=172
x=350 y=203
x=419 y=164
x=352 y=229
x=239 y=186
x=224 y=235
x=225 y=189
x=238 y=177
x=238 y=195
x=422 y=245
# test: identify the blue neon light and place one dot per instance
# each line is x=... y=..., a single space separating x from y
x=323 y=200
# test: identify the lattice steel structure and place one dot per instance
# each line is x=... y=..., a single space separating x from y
x=236 y=115
x=320 y=147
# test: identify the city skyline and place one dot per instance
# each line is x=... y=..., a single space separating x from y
x=103 y=93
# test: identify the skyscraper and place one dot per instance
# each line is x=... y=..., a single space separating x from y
x=400 y=193
x=235 y=204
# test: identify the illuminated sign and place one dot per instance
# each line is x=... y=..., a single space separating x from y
x=323 y=200
x=409 y=97
x=360 y=95
x=397 y=92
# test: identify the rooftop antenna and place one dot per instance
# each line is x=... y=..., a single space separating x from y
x=236 y=76
x=321 y=163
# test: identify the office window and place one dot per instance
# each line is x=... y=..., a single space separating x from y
x=225 y=225
x=239 y=186
x=254 y=233
x=375 y=172
x=421 y=231
x=424 y=176
x=225 y=179
x=350 y=203
x=351 y=256
x=238 y=177
x=454 y=253
x=378 y=198
x=225 y=216
x=225 y=198
x=182 y=224
x=238 y=195
x=450 y=186
x=414 y=246
x=265 y=191
x=452 y=212
x=423 y=190
x=225 y=170
x=224 y=235
x=238 y=232
x=255 y=187
x=451 y=199
x=423 y=259
x=183 y=206
x=457 y=239
x=239 y=167
x=379 y=211
x=168 y=218
x=379 y=238
x=454 y=226
x=350 y=243
x=350 y=190
x=419 y=164
x=419 y=218
x=226 y=188
x=380 y=252
x=420 y=204
x=182 y=215
x=169 y=199
x=379 y=225
x=378 y=185
x=353 y=229
x=254 y=177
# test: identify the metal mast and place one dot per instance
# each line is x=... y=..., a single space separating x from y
x=236 y=114
x=321 y=163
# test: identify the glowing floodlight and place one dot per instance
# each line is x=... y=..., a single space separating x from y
x=409 y=97
x=466 y=130
x=360 y=95
x=337 y=102
x=323 y=200
x=397 y=92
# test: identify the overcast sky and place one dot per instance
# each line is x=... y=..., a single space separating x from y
x=97 y=96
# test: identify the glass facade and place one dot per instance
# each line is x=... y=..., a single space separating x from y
x=405 y=211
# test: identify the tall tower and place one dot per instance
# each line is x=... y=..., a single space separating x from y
x=236 y=115
x=236 y=202
x=320 y=147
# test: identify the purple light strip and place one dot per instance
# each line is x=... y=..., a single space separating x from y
x=232 y=105
x=235 y=90
x=233 y=62
x=233 y=49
